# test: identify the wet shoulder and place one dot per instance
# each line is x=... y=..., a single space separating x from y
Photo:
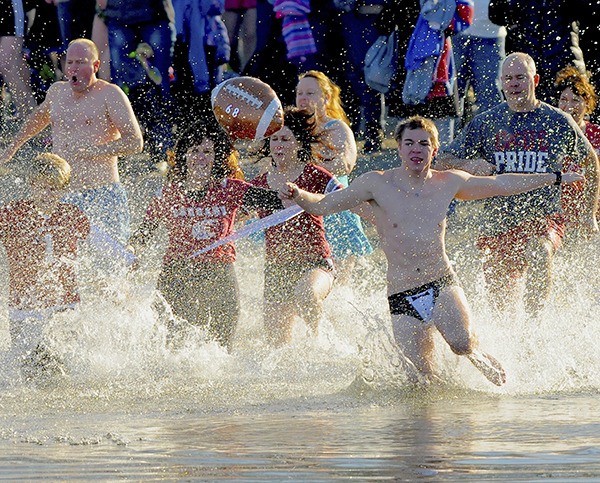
x=379 y=174
x=107 y=91
x=332 y=124
x=379 y=179
x=337 y=128
x=58 y=90
x=448 y=180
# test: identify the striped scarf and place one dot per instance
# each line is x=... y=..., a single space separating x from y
x=296 y=29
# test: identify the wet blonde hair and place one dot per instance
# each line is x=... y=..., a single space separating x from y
x=331 y=91
x=51 y=168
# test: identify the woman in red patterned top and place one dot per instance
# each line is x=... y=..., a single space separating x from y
x=299 y=272
x=40 y=235
x=198 y=206
x=577 y=97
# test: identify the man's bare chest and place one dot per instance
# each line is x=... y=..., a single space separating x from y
x=421 y=206
x=84 y=115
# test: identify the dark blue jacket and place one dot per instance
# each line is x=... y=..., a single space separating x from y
x=129 y=12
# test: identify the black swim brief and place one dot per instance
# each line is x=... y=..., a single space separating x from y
x=419 y=302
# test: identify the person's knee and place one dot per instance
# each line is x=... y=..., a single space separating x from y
x=462 y=347
x=539 y=250
x=304 y=293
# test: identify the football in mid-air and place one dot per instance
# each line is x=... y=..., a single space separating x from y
x=247 y=108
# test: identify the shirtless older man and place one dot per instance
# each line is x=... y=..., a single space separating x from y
x=92 y=124
x=409 y=205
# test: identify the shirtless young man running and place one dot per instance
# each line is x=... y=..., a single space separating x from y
x=409 y=204
x=92 y=124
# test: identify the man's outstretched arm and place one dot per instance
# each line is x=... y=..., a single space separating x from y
x=33 y=125
x=480 y=187
x=319 y=204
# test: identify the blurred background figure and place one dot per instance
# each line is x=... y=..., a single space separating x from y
x=425 y=52
x=269 y=61
x=82 y=19
x=140 y=44
x=201 y=51
x=13 y=67
x=343 y=32
x=75 y=19
x=365 y=112
x=100 y=38
x=478 y=52
x=240 y=20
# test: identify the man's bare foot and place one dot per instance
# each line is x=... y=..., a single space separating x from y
x=488 y=366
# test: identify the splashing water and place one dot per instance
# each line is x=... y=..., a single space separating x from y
x=120 y=370
x=115 y=344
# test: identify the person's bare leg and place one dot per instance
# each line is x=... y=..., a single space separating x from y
x=15 y=71
x=310 y=293
x=248 y=37
x=100 y=38
x=233 y=22
x=453 y=320
x=538 y=282
x=415 y=340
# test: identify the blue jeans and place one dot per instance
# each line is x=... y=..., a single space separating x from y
x=150 y=102
x=124 y=39
x=107 y=208
x=478 y=61
x=75 y=19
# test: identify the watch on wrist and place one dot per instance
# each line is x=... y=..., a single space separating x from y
x=558 y=175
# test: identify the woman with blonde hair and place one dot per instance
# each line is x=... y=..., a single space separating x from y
x=335 y=150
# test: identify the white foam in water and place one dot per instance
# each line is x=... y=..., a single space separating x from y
x=114 y=345
x=334 y=406
x=116 y=342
